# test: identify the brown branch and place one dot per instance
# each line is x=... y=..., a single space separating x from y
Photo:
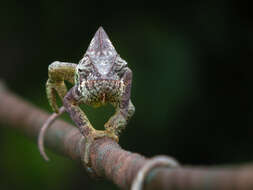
x=109 y=160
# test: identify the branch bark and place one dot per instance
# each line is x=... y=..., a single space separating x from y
x=110 y=161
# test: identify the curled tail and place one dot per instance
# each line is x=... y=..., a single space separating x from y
x=43 y=129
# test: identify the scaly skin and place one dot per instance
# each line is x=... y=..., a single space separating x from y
x=100 y=77
x=59 y=72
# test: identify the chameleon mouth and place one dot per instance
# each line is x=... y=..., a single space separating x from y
x=103 y=83
x=104 y=89
x=102 y=80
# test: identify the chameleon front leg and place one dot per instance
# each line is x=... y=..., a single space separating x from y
x=70 y=102
x=58 y=72
x=119 y=121
x=124 y=108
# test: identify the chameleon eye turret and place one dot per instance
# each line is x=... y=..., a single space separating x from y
x=101 y=77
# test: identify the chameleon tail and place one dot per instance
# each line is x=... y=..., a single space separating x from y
x=43 y=129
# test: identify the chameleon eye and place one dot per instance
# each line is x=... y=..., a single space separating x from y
x=119 y=63
x=84 y=72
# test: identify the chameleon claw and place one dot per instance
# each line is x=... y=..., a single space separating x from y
x=96 y=134
x=51 y=94
x=106 y=133
x=52 y=89
x=115 y=124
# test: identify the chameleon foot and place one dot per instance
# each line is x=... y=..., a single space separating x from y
x=106 y=133
x=116 y=123
x=96 y=134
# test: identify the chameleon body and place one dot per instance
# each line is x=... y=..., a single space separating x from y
x=100 y=77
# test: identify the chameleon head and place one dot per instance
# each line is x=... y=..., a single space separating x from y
x=101 y=61
x=101 y=69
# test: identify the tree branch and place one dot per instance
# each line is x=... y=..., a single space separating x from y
x=110 y=161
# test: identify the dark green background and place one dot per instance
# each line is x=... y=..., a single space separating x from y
x=192 y=84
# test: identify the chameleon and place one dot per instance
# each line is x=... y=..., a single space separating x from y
x=100 y=77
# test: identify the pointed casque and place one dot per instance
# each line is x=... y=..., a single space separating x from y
x=101 y=51
x=100 y=45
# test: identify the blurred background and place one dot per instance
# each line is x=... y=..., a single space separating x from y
x=192 y=84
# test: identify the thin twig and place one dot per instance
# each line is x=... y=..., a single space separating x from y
x=110 y=161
